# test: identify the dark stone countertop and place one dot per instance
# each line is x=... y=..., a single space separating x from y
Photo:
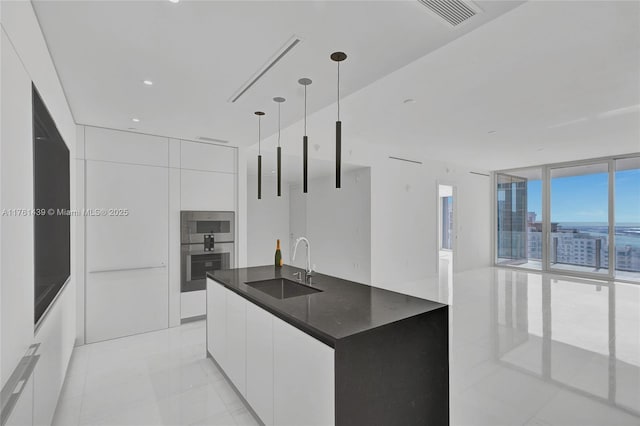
x=342 y=309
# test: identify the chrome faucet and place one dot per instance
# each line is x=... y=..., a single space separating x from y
x=295 y=248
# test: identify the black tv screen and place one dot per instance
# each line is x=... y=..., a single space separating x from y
x=51 y=196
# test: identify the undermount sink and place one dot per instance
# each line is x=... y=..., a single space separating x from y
x=282 y=288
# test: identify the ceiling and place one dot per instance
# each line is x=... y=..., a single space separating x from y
x=198 y=53
x=548 y=82
x=545 y=82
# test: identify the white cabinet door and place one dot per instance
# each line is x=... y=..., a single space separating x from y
x=126 y=255
x=207 y=190
x=125 y=147
x=204 y=156
x=303 y=378
x=217 y=322
x=236 y=341
x=260 y=362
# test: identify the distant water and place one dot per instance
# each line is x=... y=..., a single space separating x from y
x=626 y=233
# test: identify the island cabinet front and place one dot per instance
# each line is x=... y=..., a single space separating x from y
x=286 y=376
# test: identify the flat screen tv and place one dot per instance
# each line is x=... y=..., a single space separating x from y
x=51 y=197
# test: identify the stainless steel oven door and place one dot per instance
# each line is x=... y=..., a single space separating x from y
x=196 y=262
x=194 y=225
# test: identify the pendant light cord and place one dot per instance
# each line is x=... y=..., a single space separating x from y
x=259 y=137
x=305 y=110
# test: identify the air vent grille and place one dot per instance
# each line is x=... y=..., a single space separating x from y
x=454 y=12
x=214 y=140
x=277 y=57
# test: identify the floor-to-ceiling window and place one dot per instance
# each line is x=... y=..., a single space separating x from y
x=580 y=218
x=627 y=218
x=519 y=218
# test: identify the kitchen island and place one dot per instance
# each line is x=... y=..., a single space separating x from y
x=328 y=351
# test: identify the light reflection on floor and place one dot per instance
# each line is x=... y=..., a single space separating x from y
x=526 y=349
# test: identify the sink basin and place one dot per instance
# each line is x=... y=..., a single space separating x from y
x=282 y=288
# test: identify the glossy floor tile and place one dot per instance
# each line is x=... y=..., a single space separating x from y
x=159 y=378
x=526 y=349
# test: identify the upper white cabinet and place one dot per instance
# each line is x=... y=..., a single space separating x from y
x=207 y=157
x=304 y=383
x=207 y=190
x=125 y=147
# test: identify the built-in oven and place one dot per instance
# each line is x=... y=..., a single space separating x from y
x=207 y=244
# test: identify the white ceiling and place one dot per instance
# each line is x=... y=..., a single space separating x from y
x=198 y=53
x=548 y=82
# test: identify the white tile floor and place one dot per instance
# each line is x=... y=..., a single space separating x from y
x=159 y=378
x=526 y=349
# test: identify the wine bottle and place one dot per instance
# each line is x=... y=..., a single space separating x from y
x=278 y=261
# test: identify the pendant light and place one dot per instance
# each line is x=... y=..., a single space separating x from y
x=305 y=141
x=259 y=114
x=338 y=57
x=279 y=101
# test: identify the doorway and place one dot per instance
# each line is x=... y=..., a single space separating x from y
x=446 y=232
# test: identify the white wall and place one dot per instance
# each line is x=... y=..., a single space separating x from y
x=337 y=223
x=404 y=218
x=25 y=58
x=267 y=221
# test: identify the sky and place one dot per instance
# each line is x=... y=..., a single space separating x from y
x=584 y=198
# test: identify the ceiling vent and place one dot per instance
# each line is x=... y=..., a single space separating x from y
x=281 y=53
x=454 y=12
x=207 y=139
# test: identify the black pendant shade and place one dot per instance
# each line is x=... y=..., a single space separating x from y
x=305 y=140
x=279 y=101
x=259 y=114
x=259 y=177
x=338 y=57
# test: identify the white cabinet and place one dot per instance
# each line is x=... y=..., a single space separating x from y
x=207 y=157
x=237 y=341
x=286 y=375
x=260 y=362
x=126 y=255
x=217 y=322
x=207 y=190
x=125 y=147
x=303 y=371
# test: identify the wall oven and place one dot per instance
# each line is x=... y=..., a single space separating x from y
x=206 y=245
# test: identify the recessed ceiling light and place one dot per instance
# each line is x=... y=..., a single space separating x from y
x=135 y=120
x=409 y=101
x=273 y=171
x=174 y=1
x=147 y=82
